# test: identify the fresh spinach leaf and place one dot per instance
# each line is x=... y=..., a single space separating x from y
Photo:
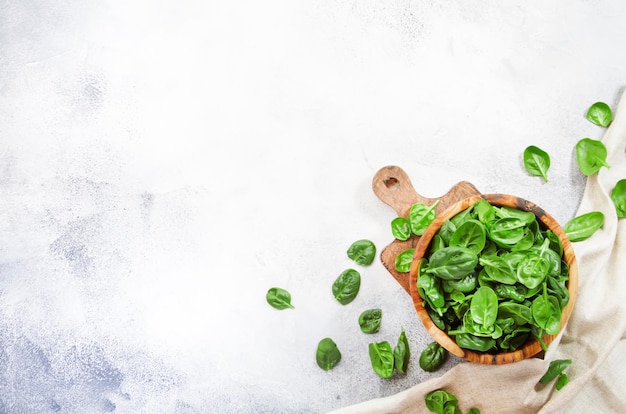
x=433 y=357
x=584 y=226
x=441 y=402
x=346 y=286
x=618 y=195
x=591 y=156
x=471 y=234
x=600 y=114
x=369 y=320
x=404 y=259
x=382 y=359
x=402 y=353
x=400 y=228
x=475 y=343
x=362 y=252
x=452 y=262
x=420 y=217
x=327 y=354
x=430 y=289
x=532 y=270
x=279 y=298
x=473 y=410
x=547 y=312
x=537 y=161
x=561 y=381
x=498 y=269
x=484 y=306
x=555 y=368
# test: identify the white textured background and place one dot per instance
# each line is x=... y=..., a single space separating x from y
x=163 y=163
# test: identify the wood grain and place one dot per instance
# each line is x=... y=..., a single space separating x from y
x=393 y=186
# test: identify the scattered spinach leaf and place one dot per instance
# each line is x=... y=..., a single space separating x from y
x=327 y=354
x=600 y=114
x=402 y=353
x=537 y=162
x=433 y=357
x=442 y=402
x=618 y=195
x=400 y=228
x=555 y=368
x=591 y=156
x=561 y=381
x=362 y=252
x=369 y=320
x=584 y=226
x=346 y=286
x=382 y=359
x=473 y=410
x=404 y=259
x=279 y=298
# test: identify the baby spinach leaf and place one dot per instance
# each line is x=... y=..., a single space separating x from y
x=484 y=306
x=420 y=217
x=402 y=353
x=327 y=354
x=433 y=357
x=532 y=270
x=547 y=313
x=475 y=343
x=400 y=228
x=471 y=234
x=591 y=156
x=561 y=381
x=279 y=298
x=498 y=269
x=346 y=286
x=555 y=368
x=441 y=402
x=362 y=252
x=618 y=195
x=369 y=320
x=584 y=226
x=520 y=313
x=430 y=287
x=600 y=114
x=537 y=161
x=381 y=357
x=452 y=262
x=404 y=259
x=473 y=410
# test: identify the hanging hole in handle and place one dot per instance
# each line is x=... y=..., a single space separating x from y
x=392 y=183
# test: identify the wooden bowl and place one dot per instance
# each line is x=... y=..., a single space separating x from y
x=532 y=346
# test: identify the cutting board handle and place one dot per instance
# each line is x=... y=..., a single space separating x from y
x=392 y=185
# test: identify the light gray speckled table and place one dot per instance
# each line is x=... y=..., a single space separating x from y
x=163 y=163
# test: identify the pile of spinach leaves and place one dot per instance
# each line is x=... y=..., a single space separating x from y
x=494 y=277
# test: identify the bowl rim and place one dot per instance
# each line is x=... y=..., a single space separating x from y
x=532 y=346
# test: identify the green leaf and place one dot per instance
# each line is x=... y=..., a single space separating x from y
x=584 y=226
x=561 y=381
x=369 y=320
x=471 y=234
x=420 y=217
x=600 y=114
x=404 y=259
x=537 y=161
x=346 y=286
x=362 y=252
x=433 y=357
x=453 y=262
x=402 y=353
x=555 y=368
x=591 y=156
x=400 y=228
x=532 y=270
x=437 y=401
x=279 y=298
x=381 y=357
x=327 y=354
x=484 y=306
x=473 y=410
x=618 y=195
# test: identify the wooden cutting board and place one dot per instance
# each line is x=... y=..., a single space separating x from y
x=392 y=185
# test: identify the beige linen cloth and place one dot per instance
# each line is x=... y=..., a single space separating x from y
x=594 y=338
